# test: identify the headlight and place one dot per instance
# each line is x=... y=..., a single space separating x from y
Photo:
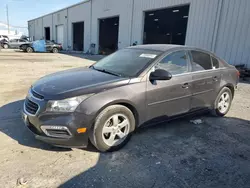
x=66 y=105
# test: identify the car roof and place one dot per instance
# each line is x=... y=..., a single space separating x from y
x=168 y=47
x=157 y=47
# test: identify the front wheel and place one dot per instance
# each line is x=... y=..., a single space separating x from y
x=113 y=128
x=29 y=50
x=223 y=102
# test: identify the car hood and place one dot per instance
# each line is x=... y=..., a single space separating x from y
x=76 y=82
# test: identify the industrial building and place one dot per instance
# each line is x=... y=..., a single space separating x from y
x=221 y=26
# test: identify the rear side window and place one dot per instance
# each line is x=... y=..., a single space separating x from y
x=216 y=63
x=201 y=61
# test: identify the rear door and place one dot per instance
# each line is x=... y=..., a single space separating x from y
x=205 y=80
x=170 y=97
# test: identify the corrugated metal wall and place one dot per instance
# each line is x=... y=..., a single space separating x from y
x=60 y=18
x=111 y=8
x=79 y=13
x=201 y=21
x=233 y=38
x=221 y=26
x=47 y=22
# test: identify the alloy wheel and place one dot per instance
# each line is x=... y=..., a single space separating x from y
x=224 y=102
x=115 y=130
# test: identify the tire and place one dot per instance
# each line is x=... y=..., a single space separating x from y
x=218 y=111
x=29 y=50
x=5 y=46
x=54 y=50
x=105 y=122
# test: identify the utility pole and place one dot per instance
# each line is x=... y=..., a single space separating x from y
x=7 y=12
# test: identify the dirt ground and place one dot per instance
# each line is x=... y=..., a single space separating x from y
x=177 y=154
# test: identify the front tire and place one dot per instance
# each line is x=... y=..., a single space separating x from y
x=113 y=128
x=29 y=50
x=223 y=102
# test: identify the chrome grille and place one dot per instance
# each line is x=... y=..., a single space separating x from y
x=31 y=107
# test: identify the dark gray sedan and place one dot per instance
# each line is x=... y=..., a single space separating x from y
x=135 y=86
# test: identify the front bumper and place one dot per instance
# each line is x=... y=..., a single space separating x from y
x=70 y=121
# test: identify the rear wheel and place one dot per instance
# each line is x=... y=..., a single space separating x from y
x=5 y=46
x=29 y=50
x=55 y=50
x=112 y=128
x=223 y=102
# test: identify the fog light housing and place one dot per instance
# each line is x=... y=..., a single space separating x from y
x=56 y=131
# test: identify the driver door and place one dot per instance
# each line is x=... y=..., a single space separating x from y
x=170 y=97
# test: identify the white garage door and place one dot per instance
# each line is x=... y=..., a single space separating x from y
x=59 y=34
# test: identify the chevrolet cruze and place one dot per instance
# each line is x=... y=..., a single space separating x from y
x=139 y=85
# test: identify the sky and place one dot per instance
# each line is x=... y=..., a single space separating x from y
x=20 y=11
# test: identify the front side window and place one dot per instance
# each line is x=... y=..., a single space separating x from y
x=201 y=61
x=127 y=62
x=175 y=63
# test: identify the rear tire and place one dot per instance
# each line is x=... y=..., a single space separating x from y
x=113 y=128
x=223 y=102
x=29 y=50
x=5 y=46
x=54 y=50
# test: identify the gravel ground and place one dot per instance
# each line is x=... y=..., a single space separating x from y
x=215 y=153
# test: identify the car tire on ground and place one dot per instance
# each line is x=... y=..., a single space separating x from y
x=113 y=128
x=5 y=46
x=223 y=102
x=29 y=50
x=54 y=50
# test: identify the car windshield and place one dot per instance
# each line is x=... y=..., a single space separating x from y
x=127 y=62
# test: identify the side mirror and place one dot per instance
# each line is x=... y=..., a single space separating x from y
x=160 y=74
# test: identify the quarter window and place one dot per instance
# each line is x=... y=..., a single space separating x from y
x=201 y=61
x=216 y=63
x=175 y=63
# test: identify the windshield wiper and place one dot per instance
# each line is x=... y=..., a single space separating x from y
x=105 y=71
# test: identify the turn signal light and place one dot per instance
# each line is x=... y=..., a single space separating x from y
x=81 y=130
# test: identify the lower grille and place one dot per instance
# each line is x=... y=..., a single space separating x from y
x=56 y=131
x=31 y=107
x=33 y=129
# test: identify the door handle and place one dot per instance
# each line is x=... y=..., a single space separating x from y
x=185 y=86
x=215 y=78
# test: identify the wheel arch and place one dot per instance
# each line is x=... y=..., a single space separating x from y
x=231 y=87
x=125 y=103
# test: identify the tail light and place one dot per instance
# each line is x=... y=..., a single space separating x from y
x=238 y=73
